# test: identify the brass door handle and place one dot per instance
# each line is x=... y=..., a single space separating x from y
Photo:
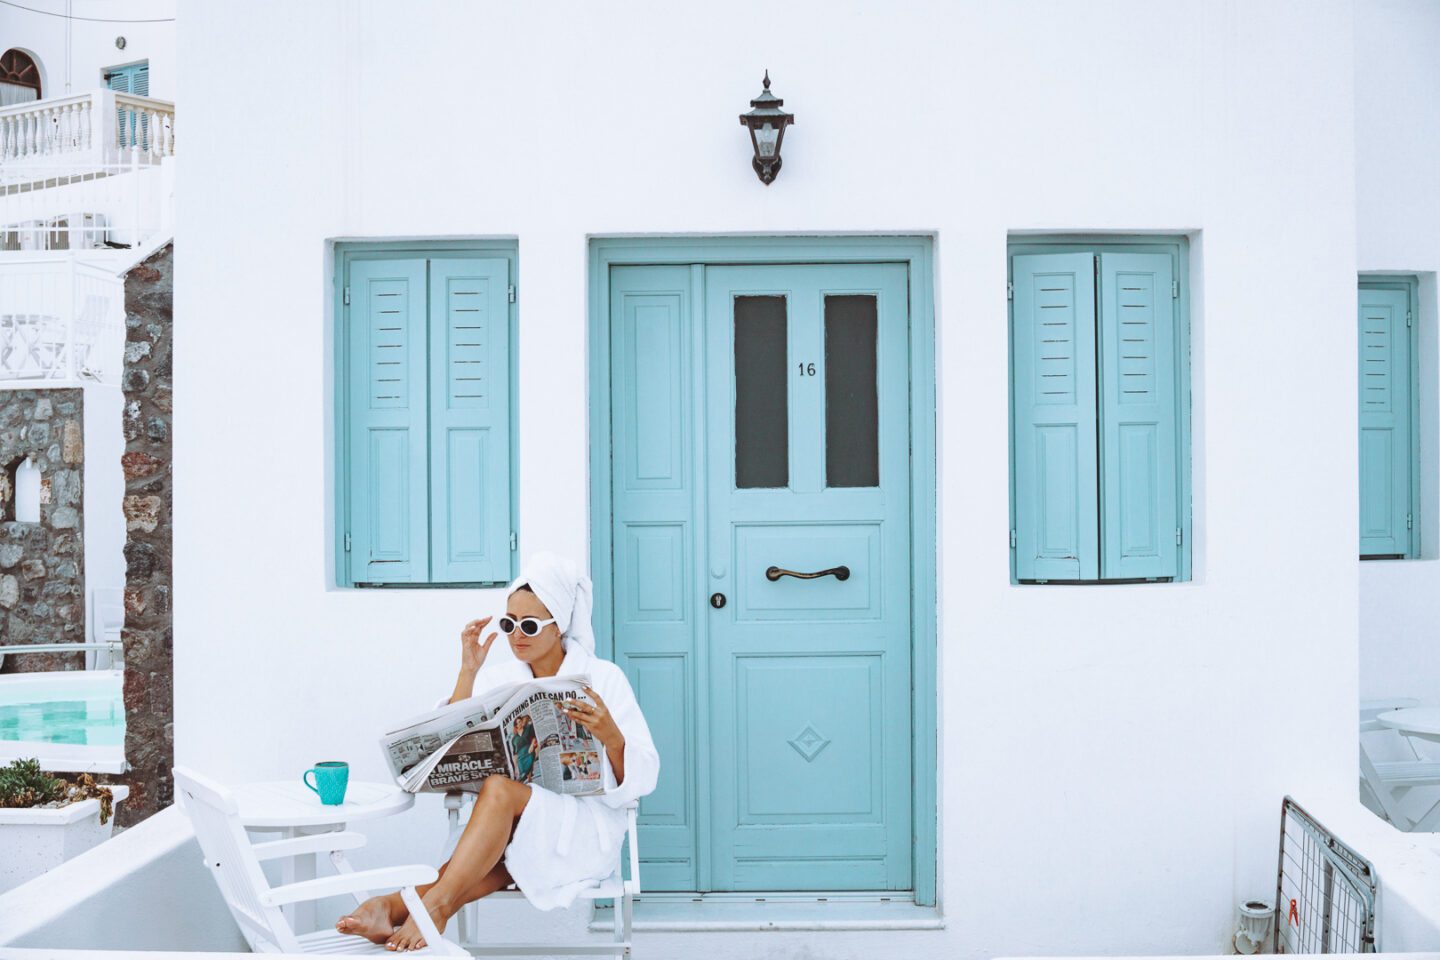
x=839 y=573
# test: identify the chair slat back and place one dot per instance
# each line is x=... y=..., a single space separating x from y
x=215 y=816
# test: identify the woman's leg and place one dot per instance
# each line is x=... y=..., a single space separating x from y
x=377 y=918
x=471 y=872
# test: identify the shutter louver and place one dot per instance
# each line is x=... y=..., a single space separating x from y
x=387 y=435
x=470 y=421
x=1139 y=503
x=1385 y=410
x=1054 y=421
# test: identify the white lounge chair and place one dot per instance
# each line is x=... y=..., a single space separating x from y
x=614 y=887
x=256 y=905
x=1384 y=784
x=107 y=621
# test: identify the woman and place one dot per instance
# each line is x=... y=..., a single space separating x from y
x=550 y=846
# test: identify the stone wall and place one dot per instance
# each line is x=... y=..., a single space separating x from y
x=148 y=635
x=42 y=565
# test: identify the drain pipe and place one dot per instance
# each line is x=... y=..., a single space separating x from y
x=1253 y=932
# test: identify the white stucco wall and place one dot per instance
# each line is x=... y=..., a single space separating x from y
x=1397 y=133
x=104 y=492
x=1115 y=756
x=76 y=63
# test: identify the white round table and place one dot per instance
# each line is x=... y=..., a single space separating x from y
x=288 y=804
x=291 y=809
x=1422 y=722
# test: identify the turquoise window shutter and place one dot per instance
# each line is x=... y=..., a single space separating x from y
x=1054 y=421
x=1139 y=471
x=118 y=79
x=469 y=421
x=386 y=373
x=132 y=78
x=1386 y=405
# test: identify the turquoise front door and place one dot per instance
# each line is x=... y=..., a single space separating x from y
x=761 y=569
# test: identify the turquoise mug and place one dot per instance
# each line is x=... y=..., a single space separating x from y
x=331 y=778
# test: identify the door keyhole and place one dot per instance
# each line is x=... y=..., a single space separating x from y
x=717 y=600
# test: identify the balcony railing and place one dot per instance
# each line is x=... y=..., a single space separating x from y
x=86 y=183
x=61 y=319
x=101 y=127
x=84 y=206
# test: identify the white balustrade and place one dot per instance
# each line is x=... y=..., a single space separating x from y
x=80 y=176
x=84 y=206
x=101 y=126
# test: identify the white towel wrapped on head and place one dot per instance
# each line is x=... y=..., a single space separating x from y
x=566 y=592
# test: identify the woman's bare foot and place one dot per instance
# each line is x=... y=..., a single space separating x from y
x=408 y=937
x=371 y=920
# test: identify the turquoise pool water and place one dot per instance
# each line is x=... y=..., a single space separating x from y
x=85 y=709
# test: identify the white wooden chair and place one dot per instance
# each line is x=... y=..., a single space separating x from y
x=615 y=887
x=1384 y=784
x=256 y=905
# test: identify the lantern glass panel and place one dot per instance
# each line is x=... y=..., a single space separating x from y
x=766 y=139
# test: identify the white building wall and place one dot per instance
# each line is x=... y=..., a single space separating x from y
x=104 y=493
x=73 y=56
x=1115 y=756
x=1397 y=136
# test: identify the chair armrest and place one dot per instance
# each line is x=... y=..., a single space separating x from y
x=340 y=884
x=311 y=843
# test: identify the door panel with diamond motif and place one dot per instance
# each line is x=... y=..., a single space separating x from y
x=807 y=473
x=759 y=430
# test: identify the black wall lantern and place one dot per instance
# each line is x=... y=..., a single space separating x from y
x=766 y=123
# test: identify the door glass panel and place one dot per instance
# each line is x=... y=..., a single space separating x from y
x=762 y=406
x=852 y=426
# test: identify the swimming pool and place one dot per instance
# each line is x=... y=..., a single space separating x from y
x=73 y=721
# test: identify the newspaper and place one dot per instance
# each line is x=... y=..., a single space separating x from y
x=517 y=730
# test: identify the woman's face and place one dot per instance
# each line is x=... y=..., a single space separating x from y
x=522 y=604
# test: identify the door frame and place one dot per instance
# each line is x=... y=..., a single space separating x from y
x=917 y=253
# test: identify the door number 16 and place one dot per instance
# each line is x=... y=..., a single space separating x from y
x=806 y=369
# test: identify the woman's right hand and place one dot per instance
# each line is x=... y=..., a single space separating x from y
x=472 y=651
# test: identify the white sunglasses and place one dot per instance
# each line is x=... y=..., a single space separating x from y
x=529 y=626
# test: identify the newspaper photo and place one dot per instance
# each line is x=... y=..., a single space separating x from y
x=517 y=730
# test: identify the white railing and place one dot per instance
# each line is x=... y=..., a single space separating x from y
x=60 y=319
x=101 y=126
x=86 y=206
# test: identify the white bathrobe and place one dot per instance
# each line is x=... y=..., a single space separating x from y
x=564 y=844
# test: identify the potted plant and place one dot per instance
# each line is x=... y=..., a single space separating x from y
x=45 y=820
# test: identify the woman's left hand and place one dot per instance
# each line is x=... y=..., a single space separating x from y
x=596 y=718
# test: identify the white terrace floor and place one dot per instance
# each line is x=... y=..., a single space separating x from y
x=146 y=893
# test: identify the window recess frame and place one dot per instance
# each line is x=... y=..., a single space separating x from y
x=1409 y=284
x=344 y=253
x=1177 y=246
